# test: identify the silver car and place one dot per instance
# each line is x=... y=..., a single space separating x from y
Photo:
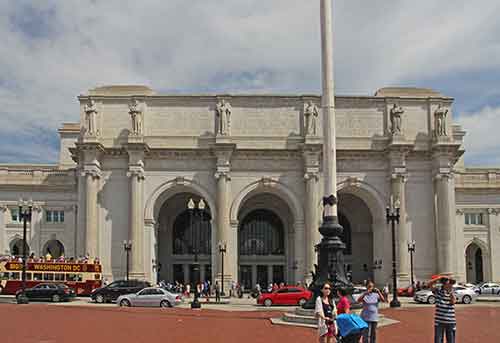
x=150 y=297
x=463 y=294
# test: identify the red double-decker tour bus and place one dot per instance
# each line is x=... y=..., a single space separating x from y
x=82 y=277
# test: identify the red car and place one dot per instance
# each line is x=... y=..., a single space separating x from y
x=285 y=296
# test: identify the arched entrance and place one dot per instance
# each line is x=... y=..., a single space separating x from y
x=264 y=241
x=53 y=247
x=184 y=239
x=356 y=219
x=474 y=263
x=16 y=247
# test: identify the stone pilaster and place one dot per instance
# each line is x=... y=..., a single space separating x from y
x=223 y=153
x=92 y=180
x=311 y=155
x=494 y=228
x=445 y=222
x=35 y=234
x=3 y=220
x=398 y=191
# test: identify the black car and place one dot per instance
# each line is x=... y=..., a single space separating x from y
x=121 y=287
x=48 y=291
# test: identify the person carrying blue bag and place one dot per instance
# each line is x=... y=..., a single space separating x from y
x=350 y=327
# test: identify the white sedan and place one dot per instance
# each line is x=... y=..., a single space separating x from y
x=463 y=295
x=149 y=297
x=488 y=288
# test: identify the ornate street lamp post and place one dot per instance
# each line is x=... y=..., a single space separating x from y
x=127 y=246
x=411 y=250
x=25 y=210
x=392 y=215
x=195 y=244
x=222 y=250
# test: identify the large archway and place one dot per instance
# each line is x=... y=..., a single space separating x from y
x=474 y=263
x=53 y=247
x=184 y=239
x=356 y=219
x=265 y=242
x=16 y=247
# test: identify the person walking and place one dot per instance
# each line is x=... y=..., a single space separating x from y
x=444 y=318
x=217 y=291
x=325 y=312
x=370 y=300
x=343 y=306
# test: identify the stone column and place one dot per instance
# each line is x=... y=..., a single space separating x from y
x=3 y=221
x=136 y=233
x=445 y=223
x=36 y=241
x=312 y=234
x=398 y=191
x=493 y=226
x=91 y=228
x=224 y=231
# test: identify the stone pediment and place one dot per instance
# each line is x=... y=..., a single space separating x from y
x=121 y=90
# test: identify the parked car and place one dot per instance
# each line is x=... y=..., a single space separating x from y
x=406 y=291
x=112 y=291
x=150 y=297
x=285 y=296
x=48 y=291
x=469 y=285
x=488 y=288
x=463 y=295
x=357 y=292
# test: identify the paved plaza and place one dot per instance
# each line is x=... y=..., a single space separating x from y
x=84 y=322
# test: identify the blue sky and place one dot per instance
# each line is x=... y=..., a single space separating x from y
x=54 y=50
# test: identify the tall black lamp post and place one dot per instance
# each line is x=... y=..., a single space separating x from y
x=195 y=244
x=127 y=246
x=411 y=250
x=25 y=210
x=392 y=215
x=222 y=250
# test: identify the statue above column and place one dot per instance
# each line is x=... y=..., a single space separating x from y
x=91 y=118
x=136 y=116
x=396 y=120
x=223 y=111
x=440 y=121
x=311 y=113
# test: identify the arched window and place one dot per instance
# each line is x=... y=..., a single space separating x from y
x=192 y=233
x=346 y=235
x=53 y=247
x=261 y=233
x=16 y=247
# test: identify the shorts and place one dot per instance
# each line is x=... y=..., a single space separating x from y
x=331 y=331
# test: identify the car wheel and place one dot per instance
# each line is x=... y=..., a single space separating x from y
x=268 y=302
x=165 y=304
x=125 y=303
x=302 y=302
x=466 y=299
x=56 y=298
x=431 y=299
x=99 y=299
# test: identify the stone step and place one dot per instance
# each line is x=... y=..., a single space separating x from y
x=295 y=318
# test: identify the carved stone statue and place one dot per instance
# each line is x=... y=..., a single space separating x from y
x=396 y=122
x=91 y=117
x=310 y=119
x=136 y=115
x=440 y=121
x=223 y=110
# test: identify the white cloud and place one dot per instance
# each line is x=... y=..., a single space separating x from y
x=482 y=141
x=261 y=45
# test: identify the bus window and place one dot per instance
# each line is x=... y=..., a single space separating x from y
x=70 y=277
x=48 y=277
x=37 y=276
x=15 y=276
x=4 y=276
x=28 y=276
x=59 y=277
x=97 y=276
x=79 y=277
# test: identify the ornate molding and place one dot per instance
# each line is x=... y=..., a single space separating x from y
x=223 y=174
x=311 y=175
x=181 y=181
x=494 y=211
x=3 y=207
x=266 y=182
x=96 y=174
x=460 y=211
x=136 y=173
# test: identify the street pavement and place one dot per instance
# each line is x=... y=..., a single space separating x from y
x=242 y=322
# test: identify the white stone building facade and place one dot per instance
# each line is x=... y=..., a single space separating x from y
x=128 y=169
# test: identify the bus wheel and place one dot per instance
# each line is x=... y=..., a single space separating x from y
x=56 y=298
